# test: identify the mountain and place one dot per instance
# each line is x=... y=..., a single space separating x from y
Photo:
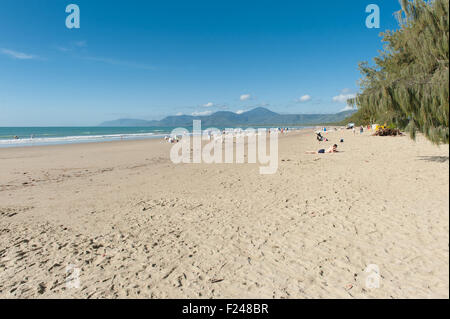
x=257 y=116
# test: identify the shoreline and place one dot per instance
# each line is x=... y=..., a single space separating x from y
x=84 y=139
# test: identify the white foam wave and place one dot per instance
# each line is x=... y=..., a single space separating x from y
x=76 y=139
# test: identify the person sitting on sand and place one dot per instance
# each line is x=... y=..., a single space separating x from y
x=331 y=149
x=319 y=137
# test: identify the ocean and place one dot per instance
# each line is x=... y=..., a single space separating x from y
x=30 y=136
x=34 y=136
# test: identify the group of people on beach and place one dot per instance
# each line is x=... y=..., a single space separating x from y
x=220 y=134
x=361 y=130
x=333 y=148
x=171 y=139
x=320 y=138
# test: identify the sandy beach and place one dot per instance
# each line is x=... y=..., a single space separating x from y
x=138 y=226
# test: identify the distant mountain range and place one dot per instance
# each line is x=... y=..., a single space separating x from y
x=258 y=116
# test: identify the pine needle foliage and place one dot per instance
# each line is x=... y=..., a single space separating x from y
x=408 y=88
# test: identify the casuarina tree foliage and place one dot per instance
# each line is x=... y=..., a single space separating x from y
x=408 y=88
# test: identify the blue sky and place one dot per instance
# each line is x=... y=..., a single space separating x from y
x=149 y=59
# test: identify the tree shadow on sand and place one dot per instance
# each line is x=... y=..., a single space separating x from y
x=438 y=159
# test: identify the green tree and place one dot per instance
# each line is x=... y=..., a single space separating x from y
x=409 y=85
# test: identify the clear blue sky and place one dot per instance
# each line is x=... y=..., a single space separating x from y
x=149 y=59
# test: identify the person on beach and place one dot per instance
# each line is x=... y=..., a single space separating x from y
x=331 y=149
x=319 y=137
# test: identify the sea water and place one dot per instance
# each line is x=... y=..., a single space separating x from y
x=29 y=136
x=35 y=136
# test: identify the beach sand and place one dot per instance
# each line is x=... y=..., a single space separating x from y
x=137 y=225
